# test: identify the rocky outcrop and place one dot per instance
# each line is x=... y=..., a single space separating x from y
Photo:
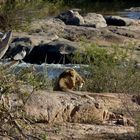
x=75 y=115
x=37 y=38
x=52 y=107
x=72 y=17
x=53 y=41
x=103 y=37
x=129 y=32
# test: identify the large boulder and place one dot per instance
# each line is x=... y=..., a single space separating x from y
x=100 y=36
x=61 y=107
x=57 y=51
x=120 y=21
x=71 y=17
x=94 y=20
x=52 y=107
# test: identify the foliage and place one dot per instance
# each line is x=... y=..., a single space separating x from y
x=8 y=82
x=17 y=15
x=110 y=70
x=38 y=80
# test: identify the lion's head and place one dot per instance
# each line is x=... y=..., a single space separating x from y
x=70 y=79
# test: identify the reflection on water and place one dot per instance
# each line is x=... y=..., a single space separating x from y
x=133 y=15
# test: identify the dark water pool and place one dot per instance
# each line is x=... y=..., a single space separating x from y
x=107 y=7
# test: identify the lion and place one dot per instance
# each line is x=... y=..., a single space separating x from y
x=69 y=80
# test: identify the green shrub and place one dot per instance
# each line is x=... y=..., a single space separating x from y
x=38 y=80
x=110 y=70
x=17 y=15
x=8 y=82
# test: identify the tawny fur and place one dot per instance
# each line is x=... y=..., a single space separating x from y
x=69 y=80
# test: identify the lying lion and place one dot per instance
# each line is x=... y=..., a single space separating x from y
x=70 y=80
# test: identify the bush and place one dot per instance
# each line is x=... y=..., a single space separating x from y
x=38 y=80
x=17 y=15
x=110 y=70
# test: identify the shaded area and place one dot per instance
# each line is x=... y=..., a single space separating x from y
x=41 y=54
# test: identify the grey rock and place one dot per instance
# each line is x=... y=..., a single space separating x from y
x=101 y=36
x=19 y=48
x=94 y=20
x=43 y=107
x=37 y=38
x=51 y=71
x=71 y=17
x=120 y=21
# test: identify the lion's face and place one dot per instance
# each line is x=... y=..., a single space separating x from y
x=79 y=81
x=70 y=79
